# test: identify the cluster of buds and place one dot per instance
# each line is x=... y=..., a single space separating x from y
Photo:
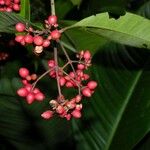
x=40 y=39
x=31 y=94
x=9 y=5
x=3 y=56
x=76 y=79
x=64 y=108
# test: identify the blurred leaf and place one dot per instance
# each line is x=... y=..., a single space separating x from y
x=25 y=9
x=145 y=10
x=115 y=8
x=82 y=40
x=8 y=22
x=117 y=116
x=63 y=8
x=76 y=2
x=130 y=29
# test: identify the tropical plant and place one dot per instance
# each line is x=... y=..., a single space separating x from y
x=116 y=34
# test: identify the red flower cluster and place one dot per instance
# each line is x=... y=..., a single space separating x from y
x=75 y=79
x=27 y=90
x=9 y=5
x=40 y=39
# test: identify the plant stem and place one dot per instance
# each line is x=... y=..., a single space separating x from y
x=79 y=87
x=57 y=70
x=40 y=77
x=67 y=56
x=52 y=2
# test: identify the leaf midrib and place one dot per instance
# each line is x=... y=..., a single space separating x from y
x=122 y=110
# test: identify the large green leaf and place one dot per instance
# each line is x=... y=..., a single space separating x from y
x=25 y=9
x=130 y=29
x=117 y=116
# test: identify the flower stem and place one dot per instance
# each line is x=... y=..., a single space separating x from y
x=52 y=3
x=40 y=77
x=57 y=70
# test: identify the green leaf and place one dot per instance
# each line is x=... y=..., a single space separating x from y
x=25 y=9
x=130 y=29
x=76 y=2
x=117 y=115
x=8 y=22
x=145 y=10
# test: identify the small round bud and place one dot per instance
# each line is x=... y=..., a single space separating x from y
x=47 y=114
x=46 y=43
x=22 y=92
x=76 y=114
x=39 y=96
x=38 y=40
x=52 y=19
x=20 y=27
x=51 y=63
x=62 y=81
x=87 y=55
x=92 y=85
x=87 y=92
x=55 y=35
x=23 y=72
x=30 y=98
x=19 y=38
x=28 y=39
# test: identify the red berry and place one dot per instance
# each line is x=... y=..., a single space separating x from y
x=38 y=40
x=78 y=107
x=68 y=116
x=52 y=20
x=76 y=113
x=39 y=96
x=30 y=98
x=69 y=84
x=7 y=2
x=70 y=105
x=46 y=43
x=25 y=82
x=8 y=9
x=23 y=72
x=16 y=1
x=47 y=114
x=62 y=81
x=28 y=87
x=36 y=90
x=28 y=39
x=78 y=98
x=20 y=27
x=19 y=38
x=2 y=2
x=86 y=76
x=51 y=63
x=22 y=92
x=80 y=66
x=87 y=92
x=16 y=7
x=55 y=34
x=87 y=55
x=92 y=85
x=60 y=109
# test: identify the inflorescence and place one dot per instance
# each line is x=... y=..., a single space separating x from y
x=76 y=78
